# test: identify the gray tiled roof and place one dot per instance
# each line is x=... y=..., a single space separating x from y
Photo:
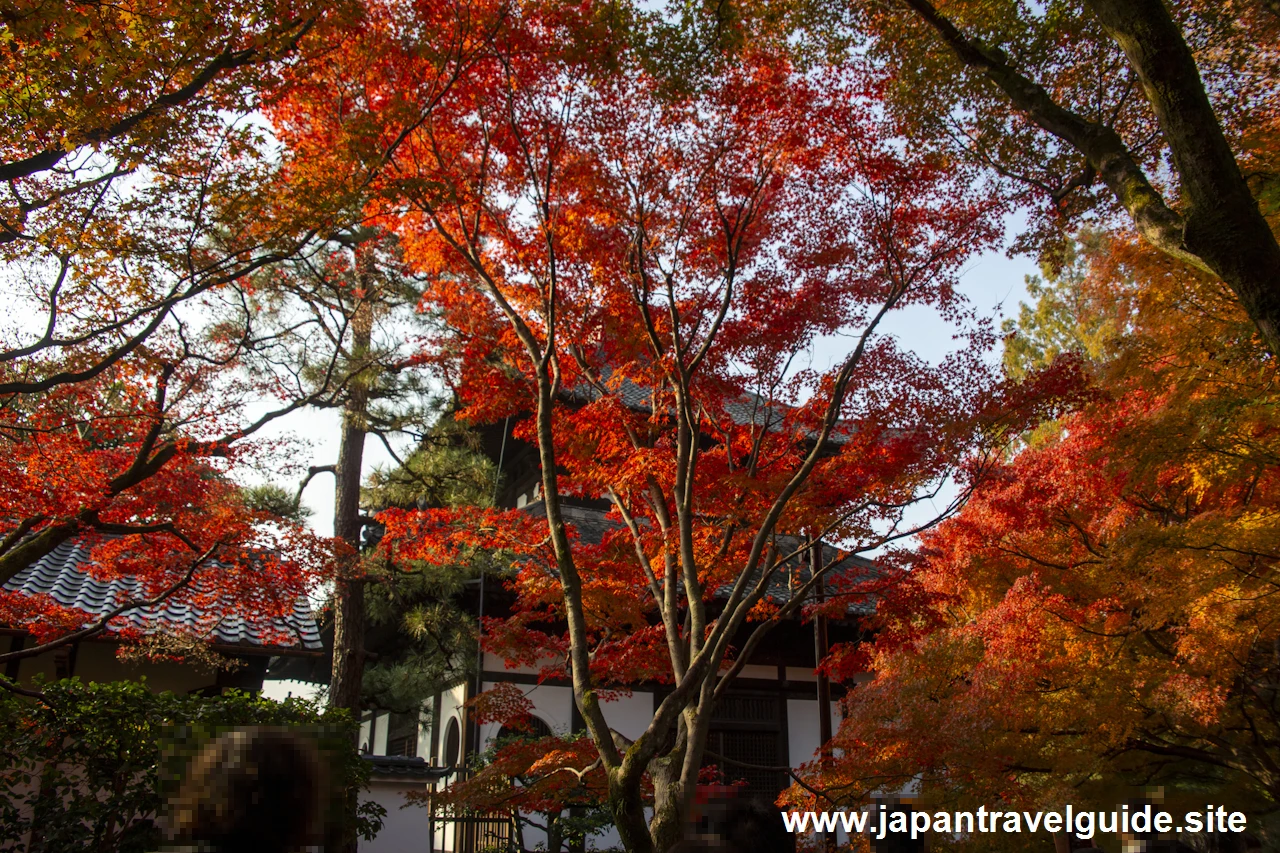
x=748 y=408
x=592 y=524
x=404 y=767
x=61 y=574
x=794 y=573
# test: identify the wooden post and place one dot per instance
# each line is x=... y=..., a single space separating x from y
x=820 y=649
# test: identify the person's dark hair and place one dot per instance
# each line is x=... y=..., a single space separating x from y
x=253 y=790
x=737 y=822
x=755 y=826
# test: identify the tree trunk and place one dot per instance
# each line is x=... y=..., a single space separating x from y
x=627 y=810
x=348 y=613
x=555 y=834
x=348 y=599
x=348 y=610
x=669 y=819
x=1224 y=226
x=1221 y=230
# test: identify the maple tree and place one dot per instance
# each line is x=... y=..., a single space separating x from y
x=148 y=202
x=127 y=470
x=635 y=274
x=134 y=461
x=1101 y=613
x=136 y=187
x=643 y=241
x=142 y=196
x=126 y=145
x=1165 y=115
x=127 y=74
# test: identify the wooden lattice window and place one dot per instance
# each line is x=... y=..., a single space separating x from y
x=747 y=728
x=402 y=735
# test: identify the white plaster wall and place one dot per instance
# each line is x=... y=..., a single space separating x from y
x=803 y=739
x=364 y=737
x=799 y=673
x=380 y=734
x=607 y=840
x=426 y=725
x=533 y=836
x=424 y=738
x=802 y=730
x=629 y=715
x=552 y=703
x=404 y=830
x=451 y=702
x=494 y=663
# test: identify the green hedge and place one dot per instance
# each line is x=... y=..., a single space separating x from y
x=113 y=753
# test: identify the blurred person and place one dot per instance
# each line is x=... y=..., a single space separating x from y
x=729 y=820
x=252 y=790
x=756 y=826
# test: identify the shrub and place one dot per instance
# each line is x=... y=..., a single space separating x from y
x=91 y=766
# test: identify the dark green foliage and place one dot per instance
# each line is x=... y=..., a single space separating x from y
x=275 y=499
x=113 y=753
x=422 y=632
x=425 y=641
x=447 y=468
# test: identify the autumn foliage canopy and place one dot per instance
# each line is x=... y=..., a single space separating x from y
x=1100 y=615
x=679 y=255
x=674 y=292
